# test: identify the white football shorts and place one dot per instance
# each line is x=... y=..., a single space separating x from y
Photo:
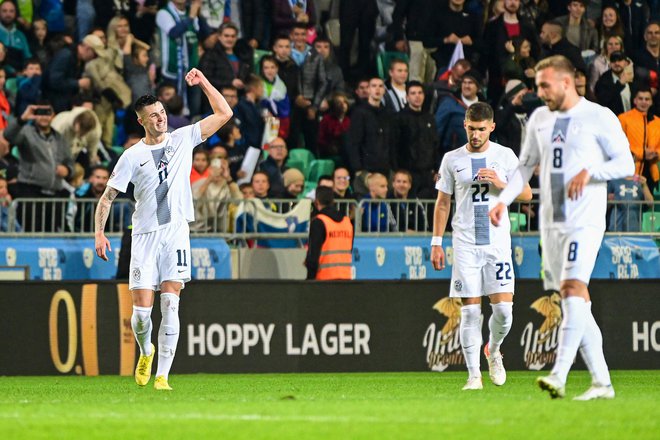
x=569 y=255
x=481 y=271
x=162 y=255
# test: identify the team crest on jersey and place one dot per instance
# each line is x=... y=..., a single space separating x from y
x=169 y=150
x=458 y=285
x=136 y=274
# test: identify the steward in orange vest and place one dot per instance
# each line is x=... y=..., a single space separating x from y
x=330 y=247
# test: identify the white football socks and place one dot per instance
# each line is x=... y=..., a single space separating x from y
x=499 y=324
x=574 y=311
x=141 y=325
x=168 y=333
x=591 y=349
x=471 y=337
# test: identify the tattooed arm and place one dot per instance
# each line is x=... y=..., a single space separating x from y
x=102 y=213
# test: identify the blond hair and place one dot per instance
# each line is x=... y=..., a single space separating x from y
x=558 y=62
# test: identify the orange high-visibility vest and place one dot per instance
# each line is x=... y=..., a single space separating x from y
x=642 y=135
x=336 y=253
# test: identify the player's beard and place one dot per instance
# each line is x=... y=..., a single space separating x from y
x=479 y=143
x=556 y=103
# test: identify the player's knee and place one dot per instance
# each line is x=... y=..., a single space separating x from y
x=471 y=314
x=574 y=288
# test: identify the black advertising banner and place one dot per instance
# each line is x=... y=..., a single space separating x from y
x=295 y=326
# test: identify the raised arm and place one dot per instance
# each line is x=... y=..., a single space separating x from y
x=221 y=110
x=102 y=212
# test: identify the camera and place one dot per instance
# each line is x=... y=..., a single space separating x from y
x=43 y=111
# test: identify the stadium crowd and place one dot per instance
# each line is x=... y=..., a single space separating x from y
x=365 y=96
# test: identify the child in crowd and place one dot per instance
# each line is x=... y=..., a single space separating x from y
x=200 y=168
x=137 y=74
x=29 y=85
x=275 y=98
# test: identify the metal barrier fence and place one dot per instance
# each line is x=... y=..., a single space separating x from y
x=241 y=218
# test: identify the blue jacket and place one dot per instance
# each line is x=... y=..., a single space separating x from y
x=449 y=120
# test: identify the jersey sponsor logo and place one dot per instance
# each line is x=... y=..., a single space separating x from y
x=540 y=343
x=443 y=347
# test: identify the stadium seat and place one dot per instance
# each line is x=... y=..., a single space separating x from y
x=384 y=59
x=297 y=164
x=15 y=152
x=11 y=86
x=301 y=155
x=319 y=168
x=307 y=188
x=518 y=221
x=651 y=221
x=258 y=55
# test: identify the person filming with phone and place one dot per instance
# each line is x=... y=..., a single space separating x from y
x=44 y=165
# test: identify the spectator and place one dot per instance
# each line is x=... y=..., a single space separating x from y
x=534 y=11
x=230 y=138
x=360 y=16
x=294 y=182
x=554 y=43
x=29 y=84
x=275 y=166
x=324 y=180
x=248 y=15
x=333 y=127
x=175 y=117
x=288 y=70
x=120 y=40
x=413 y=23
x=107 y=82
x=212 y=195
x=93 y=189
x=200 y=167
x=5 y=108
x=626 y=216
x=601 y=63
x=18 y=49
x=333 y=72
x=498 y=31
x=519 y=63
x=451 y=113
x=457 y=24
x=62 y=78
x=649 y=56
x=634 y=16
x=609 y=25
x=287 y=14
x=369 y=141
x=417 y=142
x=409 y=214
x=361 y=90
x=613 y=88
x=137 y=73
x=376 y=214
x=179 y=28
x=246 y=190
x=249 y=114
x=329 y=254
x=9 y=69
x=511 y=116
x=223 y=64
x=45 y=164
x=261 y=187
x=643 y=132
x=38 y=41
x=395 y=94
x=313 y=86
x=81 y=132
x=342 y=184
x=581 y=86
x=448 y=83
x=231 y=96
x=577 y=29
x=275 y=99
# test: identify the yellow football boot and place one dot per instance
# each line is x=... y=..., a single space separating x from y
x=161 y=384
x=143 y=368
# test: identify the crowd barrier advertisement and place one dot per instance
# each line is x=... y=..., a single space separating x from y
x=53 y=328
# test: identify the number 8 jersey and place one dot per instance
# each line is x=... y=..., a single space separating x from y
x=475 y=198
x=161 y=175
x=565 y=143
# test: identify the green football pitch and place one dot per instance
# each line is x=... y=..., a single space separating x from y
x=332 y=406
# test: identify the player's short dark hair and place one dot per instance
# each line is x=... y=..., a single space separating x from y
x=558 y=62
x=325 y=195
x=144 y=101
x=479 y=111
x=412 y=84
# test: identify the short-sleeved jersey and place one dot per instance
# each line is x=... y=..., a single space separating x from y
x=161 y=175
x=474 y=198
x=563 y=144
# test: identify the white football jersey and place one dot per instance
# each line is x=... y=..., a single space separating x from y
x=474 y=198
x=563 y=144
x=161 y=175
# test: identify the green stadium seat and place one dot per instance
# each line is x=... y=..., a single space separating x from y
x=319 y=168
x=384 y=59
x=297 y=164
x=11 y=86
x=307 y=188
x=301 y=155
x=15 y=152
x=518 y=221
x=258 y=55
x=651 y=221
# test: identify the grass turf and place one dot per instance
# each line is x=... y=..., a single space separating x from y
x=334 y=406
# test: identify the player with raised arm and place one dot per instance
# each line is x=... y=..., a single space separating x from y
x=579 y=146
x=475 y=174
x=159 y=166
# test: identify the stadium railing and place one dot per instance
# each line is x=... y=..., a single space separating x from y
x=246 y=219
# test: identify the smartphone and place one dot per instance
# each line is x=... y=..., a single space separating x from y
x=43 y=111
